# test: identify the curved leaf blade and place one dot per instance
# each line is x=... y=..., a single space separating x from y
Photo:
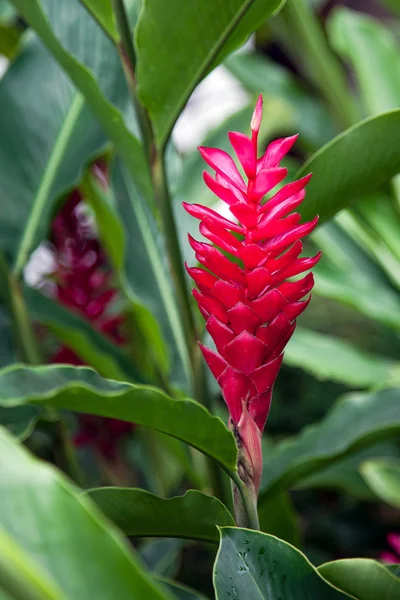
x=46 y=123
x=81 y=389
x=200 y=36
x=329 y=357
x=64 y=533
x=258 y=566
x=383 y=477
x=62 y=25
x=353 y=164
x=373 y=51
x=355 y=421
x=365 y=579
x=138 y=513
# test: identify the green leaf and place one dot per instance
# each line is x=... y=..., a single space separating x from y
x=373 y=52
x=102 y=11
x=46 y=123
x=82 y=390
x=20 y=420
x=345 y=274
x=20 y=577
x=353 y=164
x=309 y=117
x=64 y=27
x=138 y=513
x=355 y=421
x=344 y=475
x=383 y=477
x=329 y=357
x=64 y=533
x=94 y=348
x=177 y=46
x=363 y=578
x=253 y=565
x=145 y=329
x=151 y=283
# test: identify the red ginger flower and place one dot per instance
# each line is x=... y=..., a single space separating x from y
x=250 y=309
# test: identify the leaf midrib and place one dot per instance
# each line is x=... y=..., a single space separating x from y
x=42 y=195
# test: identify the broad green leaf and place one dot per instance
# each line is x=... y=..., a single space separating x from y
x=383 y=477
x=45 y=122
x=144 y=326
x=80 y=389
x=64 y=533
x=355 y=421
x=309 y=117
x=94 y=348
x=344 y=475
x=102 y=11
x=254 y=566
x=329 y=357
x=178 y=43
x=71 y=34
x=374 y=52
x=20 y=578
x=359 y=292
x=146 y=271
x=353 y=164
x=363 y=578
x=346 y=274
x=278 y=517
x=20 y=420
x=138 y=513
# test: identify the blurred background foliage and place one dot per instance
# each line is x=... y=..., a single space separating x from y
x=322 y=67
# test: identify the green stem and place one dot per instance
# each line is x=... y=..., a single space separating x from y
x=322 y=66
x=245 y=505
x=156 y=158
x=163 y=201
x=127 y=54
x=23 y=326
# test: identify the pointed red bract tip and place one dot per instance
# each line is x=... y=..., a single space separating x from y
x=257 y=115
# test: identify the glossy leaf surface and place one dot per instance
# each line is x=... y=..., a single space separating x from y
x=362 y=578
x=47 y=124
x=254 y=565
x=355 y=163
x=63 y=27
x=139 y=513
x=178 y=43
x=80 y=389
x=64 y=533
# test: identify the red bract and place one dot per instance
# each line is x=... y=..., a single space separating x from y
x=249 y=306
x=84 y=283
x=392 y=557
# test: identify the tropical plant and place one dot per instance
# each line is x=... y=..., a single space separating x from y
x=112 y=426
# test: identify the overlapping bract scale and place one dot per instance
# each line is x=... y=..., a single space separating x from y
x=242 y=290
